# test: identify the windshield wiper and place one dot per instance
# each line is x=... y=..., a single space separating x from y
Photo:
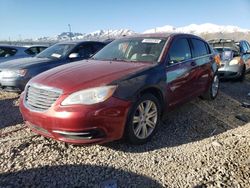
x=114 y=59
x=118 y=59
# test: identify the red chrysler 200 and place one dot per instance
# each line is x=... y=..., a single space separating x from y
x=122 y=91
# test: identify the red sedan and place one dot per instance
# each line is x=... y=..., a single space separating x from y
x=122 y=91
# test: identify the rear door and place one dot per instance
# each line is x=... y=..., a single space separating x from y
x=180 y=72
x=203 y=58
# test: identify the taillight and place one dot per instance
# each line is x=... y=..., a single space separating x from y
x=217 y=59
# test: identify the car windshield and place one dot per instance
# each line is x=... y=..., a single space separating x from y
x=57 y=51
x=133 y=49
x=227 y=53
x=220 y=50
x=225 y=45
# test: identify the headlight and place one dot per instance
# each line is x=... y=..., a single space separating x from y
x=234 y=62
x=90 y=96
x=13 y=73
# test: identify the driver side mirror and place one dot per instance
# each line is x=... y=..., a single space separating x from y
x=74 y=55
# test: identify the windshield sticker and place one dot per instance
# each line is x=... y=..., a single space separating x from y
x=155 y=41
x=56 y=55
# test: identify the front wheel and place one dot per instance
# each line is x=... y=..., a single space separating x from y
x=213 y=90
x=143 y=119
x=242 y=74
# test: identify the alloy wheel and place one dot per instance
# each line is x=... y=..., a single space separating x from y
x=215 y=85
x=145 y=119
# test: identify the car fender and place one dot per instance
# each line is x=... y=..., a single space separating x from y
x=132 y=86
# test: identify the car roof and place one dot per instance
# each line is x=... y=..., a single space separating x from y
x=13 y=46
x=224 y=43
x=30 y=46
x=78 y=42
x=221 y=41
x=162 y=35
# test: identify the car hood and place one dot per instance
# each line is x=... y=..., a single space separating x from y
x=23 y=62
x=87 y=74
x=4 y=59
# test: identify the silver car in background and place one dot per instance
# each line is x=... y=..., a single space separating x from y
x=9 y=52
x=235 y=57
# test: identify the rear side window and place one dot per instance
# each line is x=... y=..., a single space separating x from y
x=179 y=51
x=200 y=48
x=7 y=52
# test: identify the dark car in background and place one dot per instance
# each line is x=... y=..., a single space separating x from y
x=8 y=52
x=122 y=91
x=16 y=73
x=235 y=57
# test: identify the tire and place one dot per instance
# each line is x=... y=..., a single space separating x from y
x=138 y=120
x=213 y=89
x=242 y=75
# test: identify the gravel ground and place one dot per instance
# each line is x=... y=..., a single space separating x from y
x=201 y=144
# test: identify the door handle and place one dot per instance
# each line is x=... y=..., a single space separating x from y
x=193 y=64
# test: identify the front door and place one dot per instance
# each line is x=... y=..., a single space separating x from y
x=180 y=72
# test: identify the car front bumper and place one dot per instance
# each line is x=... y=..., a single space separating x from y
x=13 y=84
x=227 y=71
x=79 y=124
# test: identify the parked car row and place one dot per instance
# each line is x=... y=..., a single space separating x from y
x=94 y=92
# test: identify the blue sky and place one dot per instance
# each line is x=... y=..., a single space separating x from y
x=34 y=18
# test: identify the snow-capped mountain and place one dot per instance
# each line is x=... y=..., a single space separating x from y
x=100 y=34
x=203 y=30
x=199 y=29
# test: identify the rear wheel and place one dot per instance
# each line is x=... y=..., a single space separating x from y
x=143 y=119
x=213 y=90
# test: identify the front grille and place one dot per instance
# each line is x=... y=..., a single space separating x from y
x=41 y=98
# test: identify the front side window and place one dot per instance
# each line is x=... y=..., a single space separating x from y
x=98 y=46
x=57 y=51
x=40 y=49
x=248 y=45
x=133 y=49
x=84 y=51
x=179 y=51
x=32 y=51
x=200 y=48
x=245 y=47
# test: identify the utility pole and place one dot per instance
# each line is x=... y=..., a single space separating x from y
x=70 y=34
